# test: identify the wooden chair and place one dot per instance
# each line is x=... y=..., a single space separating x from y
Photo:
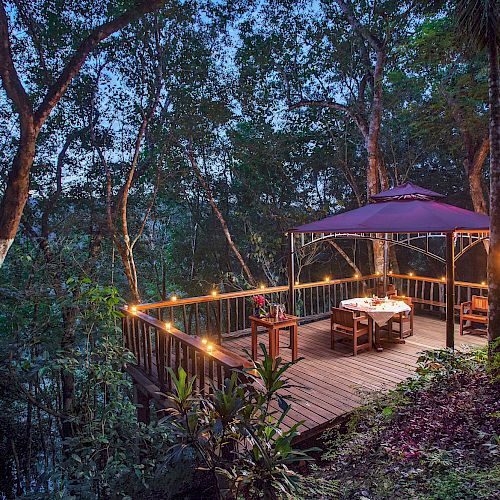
x=401 y=323
x=346 y=324
x=475 y=311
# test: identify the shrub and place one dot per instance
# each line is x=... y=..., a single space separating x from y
x=235 y=433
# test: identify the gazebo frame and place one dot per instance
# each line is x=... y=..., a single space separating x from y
x=465 y=240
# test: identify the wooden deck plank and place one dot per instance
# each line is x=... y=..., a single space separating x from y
x=331 y=383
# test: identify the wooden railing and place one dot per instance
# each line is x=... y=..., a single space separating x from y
x=430 y=293
x=158 y=346
x=189 y=332
x=221 y=315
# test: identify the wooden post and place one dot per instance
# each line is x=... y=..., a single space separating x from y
x=291 y=276
x=141 y=400
x=386 y=255
x=450 y=291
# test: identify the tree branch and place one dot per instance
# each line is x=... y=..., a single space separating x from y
x=375 y=43
x=10 y=78
x=58 y=88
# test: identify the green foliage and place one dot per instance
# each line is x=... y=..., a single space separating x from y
x=236 y=432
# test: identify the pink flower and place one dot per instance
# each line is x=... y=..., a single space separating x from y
x=258 y=300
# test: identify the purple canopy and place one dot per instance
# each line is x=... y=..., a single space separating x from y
x=404 y=209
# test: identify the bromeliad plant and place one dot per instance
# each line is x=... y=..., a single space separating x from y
x=236 y=433
x=259 y=305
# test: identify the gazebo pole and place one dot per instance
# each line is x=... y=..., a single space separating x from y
x=386 y=254
x=291 y=275
x=450 y=290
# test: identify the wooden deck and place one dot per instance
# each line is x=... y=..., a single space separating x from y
x=332 y=383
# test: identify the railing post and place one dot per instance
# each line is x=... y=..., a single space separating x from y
x=291 y=275
x=450 y=291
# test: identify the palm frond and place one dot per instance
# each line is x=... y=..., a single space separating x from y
x=479 y=20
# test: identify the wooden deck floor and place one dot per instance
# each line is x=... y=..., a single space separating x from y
x=332 y=383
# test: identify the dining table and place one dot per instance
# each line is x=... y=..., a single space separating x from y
x=381 y=311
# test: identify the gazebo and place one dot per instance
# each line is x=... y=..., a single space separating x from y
x=407 y=215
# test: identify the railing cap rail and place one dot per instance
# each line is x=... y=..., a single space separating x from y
x=248 y=293
x=225 y=357
x=438 y=280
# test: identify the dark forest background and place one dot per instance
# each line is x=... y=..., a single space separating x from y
x=186 y=145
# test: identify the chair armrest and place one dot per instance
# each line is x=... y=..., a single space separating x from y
x=465 y=305
x=358 y=319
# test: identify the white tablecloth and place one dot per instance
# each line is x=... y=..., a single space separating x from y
x=380 y=313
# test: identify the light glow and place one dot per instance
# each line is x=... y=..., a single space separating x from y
x=204 y=341
x=210 y=348
x=214 y=293
x=133 y=309
x=174 y=297
x=168 y=325
x=262 y=287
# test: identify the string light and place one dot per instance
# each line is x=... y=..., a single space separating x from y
x=168 y=325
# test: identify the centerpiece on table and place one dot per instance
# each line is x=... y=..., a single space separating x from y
x=259 y=306
x=262 y=308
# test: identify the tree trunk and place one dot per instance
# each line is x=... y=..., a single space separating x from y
x=346 y=257
x=494 y=255
x=222 y=221
x=67 y=376
x=372 y=148
x=475 y=176
x=17 y=190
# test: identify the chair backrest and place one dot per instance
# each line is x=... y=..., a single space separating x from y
x=479 y=303
x=343 y=317
x=378 y=290
x=405 y=299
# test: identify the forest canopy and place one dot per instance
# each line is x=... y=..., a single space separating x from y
x=166 y=147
